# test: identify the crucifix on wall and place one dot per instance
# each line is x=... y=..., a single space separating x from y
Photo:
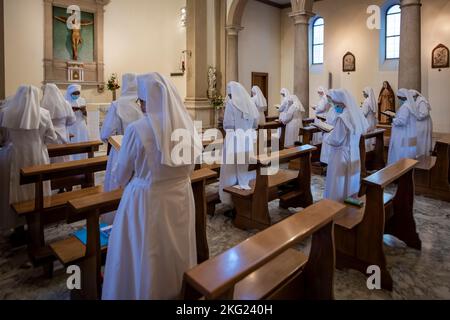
x=75 y=26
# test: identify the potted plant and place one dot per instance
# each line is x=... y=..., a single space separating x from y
x=113 y=85
x=218 y=104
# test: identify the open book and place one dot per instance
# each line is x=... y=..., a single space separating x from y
x=389 y=113
x=323 y=126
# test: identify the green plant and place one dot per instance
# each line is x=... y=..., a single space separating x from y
x=113 y=83
x=217 y=102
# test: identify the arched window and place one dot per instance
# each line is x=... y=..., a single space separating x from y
x=318 y=41
x=393 y=25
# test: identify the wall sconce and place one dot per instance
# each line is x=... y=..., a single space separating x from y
x=183 y=16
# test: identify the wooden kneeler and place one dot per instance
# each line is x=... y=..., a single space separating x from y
x=359 y=232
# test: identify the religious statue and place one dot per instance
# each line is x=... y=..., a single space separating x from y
x=386 y=102
x=212 y=82
x=76 y=33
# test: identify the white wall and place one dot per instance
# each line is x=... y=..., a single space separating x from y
x=259 y=47
x=139 y=36
x=346 y=30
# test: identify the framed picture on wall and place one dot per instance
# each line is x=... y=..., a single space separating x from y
x=349 y=62
x=440 y=57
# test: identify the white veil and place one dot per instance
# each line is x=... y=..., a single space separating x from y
x=373 y=100
x=258 y=97
x=242 y=101
x=127 y=107
x=22 y=111
x=54 y=101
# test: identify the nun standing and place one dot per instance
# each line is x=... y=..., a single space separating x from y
x=27 y=129
x=404 y=133
x=153 y=241
x=424 y=125
x=285 y=94
x=240 y=121
x=121 y=114
x=321 y=109
x=370 y=110
x=326 y=148
x=261 y=104
x=293 y=120
x=79 y=129
x=61 y=114
x=344 y=167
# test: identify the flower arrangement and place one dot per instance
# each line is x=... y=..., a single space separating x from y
x=113 y=85
x=218 y=102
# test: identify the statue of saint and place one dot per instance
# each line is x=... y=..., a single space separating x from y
x=386 y=102
x=212 y=81
x=76 y=33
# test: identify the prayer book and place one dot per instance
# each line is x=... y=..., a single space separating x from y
x=354 y=202
x=323 y=126
x=105 y=232
x=389 y=113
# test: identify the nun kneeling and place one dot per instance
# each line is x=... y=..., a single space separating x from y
x=153 y=241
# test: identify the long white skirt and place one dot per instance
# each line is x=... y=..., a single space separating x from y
x=110 y=183
x=80 y=134
x=7 y=219
x=152 y=242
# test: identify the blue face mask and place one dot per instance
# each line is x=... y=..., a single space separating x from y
x=339 y=109
x=401 y=101
x=75 y=97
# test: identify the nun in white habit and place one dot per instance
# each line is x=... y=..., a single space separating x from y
x=153 y=241
x=424 y=125
x=322 y=108
x=293 y=120
x=404 y=133
x=344 y=167
x=79 y=129
x=121 y=114
x=285 y=94
x=326 y=148
x=61 y=114
x=261 y=103
x=240 y=121
x=27 y=129
x=370 y=110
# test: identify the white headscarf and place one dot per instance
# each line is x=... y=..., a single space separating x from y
x=127 y=108
x=258 y=97
x=23 y=111
x=373 y=100
x=412 y=106
x=420 y=97
x=54 y=101
x=358 y=123
x=166 y=113
x=296 y=102
x=242 y=101
x=70 y=90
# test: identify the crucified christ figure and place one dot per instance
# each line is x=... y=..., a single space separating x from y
x=76 y=33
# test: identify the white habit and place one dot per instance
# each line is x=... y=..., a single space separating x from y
x=322 y=109
x=344 y=167
x=261 y=103
x=79 y=129
x=240 y=121
x=292 y=118
x=370 y=111
x=153 y=239
x=404 y=133
x=27 y=129
x=424 y=125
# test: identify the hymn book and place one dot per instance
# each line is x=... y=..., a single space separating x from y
x=323 y=126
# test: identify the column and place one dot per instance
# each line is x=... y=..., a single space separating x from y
x=196 y=101
x=233 y=53
x=2 y=52
x=301 y=56
x=410 y=72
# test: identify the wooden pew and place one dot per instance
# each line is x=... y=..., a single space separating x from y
x=266 y=267
x=42 y=210
x=252 y=205
x=72 y=251
x=359 y=232
x=432 y=174
x=61 y=150
x=372 y=160
x=272 y=118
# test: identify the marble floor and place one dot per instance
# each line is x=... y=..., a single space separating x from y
x=417 y=274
